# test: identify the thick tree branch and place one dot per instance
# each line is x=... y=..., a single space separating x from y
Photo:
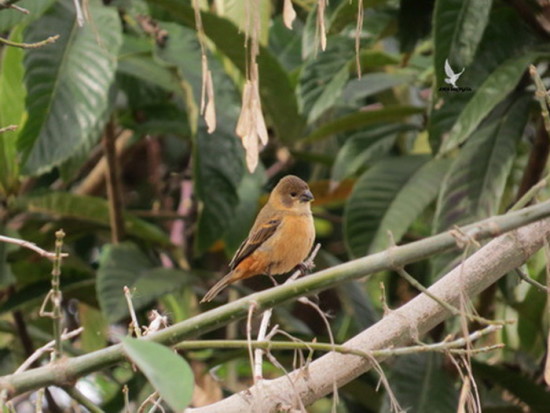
x=66 y=371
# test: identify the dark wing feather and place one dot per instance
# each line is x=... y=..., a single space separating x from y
x=254 y=240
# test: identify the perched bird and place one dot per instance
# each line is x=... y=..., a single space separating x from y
x=452 y=77
x=280 y=238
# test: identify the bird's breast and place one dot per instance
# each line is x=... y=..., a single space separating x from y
x=291 y=244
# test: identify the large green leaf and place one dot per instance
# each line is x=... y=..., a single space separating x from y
x=126 y=265
x=364 y=147
x=371 y=84
x=414 y=22
x=447 y=106
x=68 y=83
x=89 y=209
x=169 y=373
x=361 y=119
x=276 y=91
x=458 y=29
x=495 y=88
x=9 y=18
x=388 y=197
x=323 y=78
x=527 y=390
x=422 y=385
x=218 y=158
x=12 y=112
x=249 y=192
x=473 y=187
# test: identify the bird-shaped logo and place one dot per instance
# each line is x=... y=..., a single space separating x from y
x=452 y=77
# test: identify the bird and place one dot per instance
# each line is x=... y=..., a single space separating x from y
x=452 y=77
x=280 y=239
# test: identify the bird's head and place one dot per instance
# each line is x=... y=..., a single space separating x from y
x=292 y=193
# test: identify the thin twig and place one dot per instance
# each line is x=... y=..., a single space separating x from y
x=453 y=346
x=36 y=45
x=542 y=96
x=529 y=280
x=452 y=309
x=82 y=399
x=31 y=246
x=135 y=324
x=113 y=184
x=8 y=128
x=46 y=347
x=530 y=194
x=55 y=297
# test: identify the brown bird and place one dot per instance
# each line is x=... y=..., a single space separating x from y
x=280 y=238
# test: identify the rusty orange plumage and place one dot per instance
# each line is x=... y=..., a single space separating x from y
x=280 y=238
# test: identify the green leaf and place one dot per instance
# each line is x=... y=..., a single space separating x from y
x=9 y=18
x=218 y=170
x=249 y=192
x=361 y=119
x=12 y=90
x=169 y=373
x=364 y=147
x=474 y=185
x=126 y=265
x=458 y=29
x=388 y=197
x=346 y=14
x=323 y=78
x=276 y=90
x=89 y=209
x=528 y=391
x=495 y=88
x=371 y=84
x=422 y=385
x=414 y=22
x=234 y=10
x=68 y=83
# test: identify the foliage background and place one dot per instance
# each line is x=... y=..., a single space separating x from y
x=392 y=150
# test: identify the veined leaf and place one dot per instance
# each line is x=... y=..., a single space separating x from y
x=323 y=78
x=447 y=107
x=473 y=187
x=126 y=265
x=9 y=18
x=362 y=147
x=458 y=29
x=68 y=83
x=169 y=373
x=389 y=196
x=422 y=385
x=89 y=209
x=495 y=88
x=12 y=112
x=361 y=119
x=519 y=385
x=277 y=93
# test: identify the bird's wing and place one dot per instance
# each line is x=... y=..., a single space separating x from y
x=448 y=69
x=256 y=238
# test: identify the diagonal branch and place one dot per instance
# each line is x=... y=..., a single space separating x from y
x=418 y=316
x=400 y=327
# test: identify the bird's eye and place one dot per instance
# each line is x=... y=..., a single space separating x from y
x=293 y=194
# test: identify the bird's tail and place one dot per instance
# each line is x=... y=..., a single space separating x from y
x=220 y=285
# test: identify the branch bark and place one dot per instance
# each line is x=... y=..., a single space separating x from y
x=400 y=327
x=67 y=370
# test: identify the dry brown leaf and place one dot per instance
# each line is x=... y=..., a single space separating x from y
x=251 y=124
x=207 y=390
x=210 y=111
x=289 y=15
x=321 y=29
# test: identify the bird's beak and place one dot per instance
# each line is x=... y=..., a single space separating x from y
x=306 y=196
